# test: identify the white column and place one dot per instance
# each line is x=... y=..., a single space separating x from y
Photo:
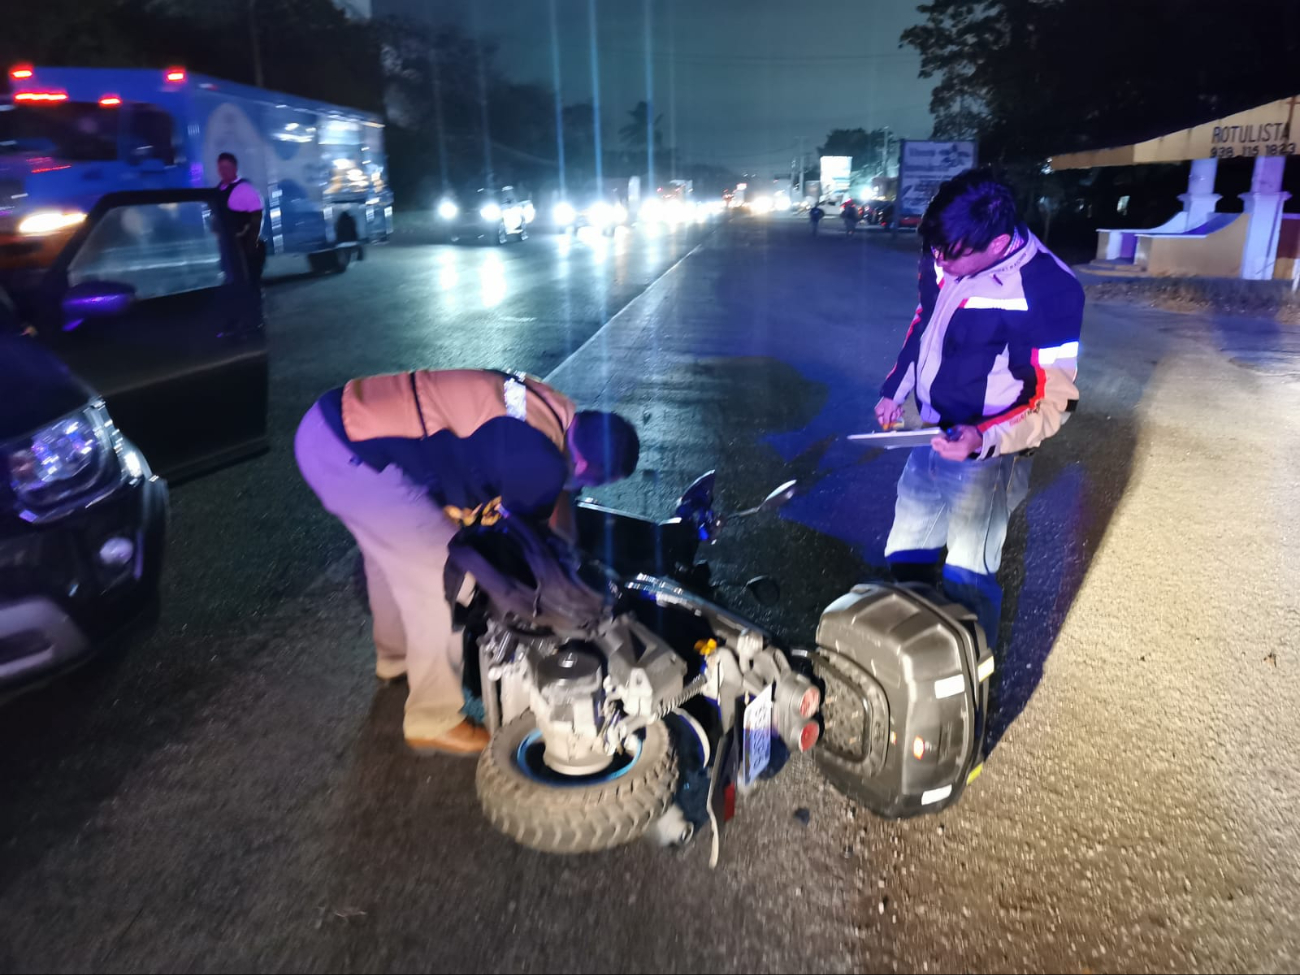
x=1264 y=205
x=1200 y=199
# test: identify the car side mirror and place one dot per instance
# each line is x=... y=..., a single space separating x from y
x=765 y=590
x=97 y=299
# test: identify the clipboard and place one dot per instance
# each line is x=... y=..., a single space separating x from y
x=894 y=439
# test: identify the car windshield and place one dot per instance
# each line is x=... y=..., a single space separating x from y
x=71 y=131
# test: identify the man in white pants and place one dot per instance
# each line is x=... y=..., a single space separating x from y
x=404 y=461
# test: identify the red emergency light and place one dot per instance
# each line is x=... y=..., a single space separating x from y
x=175 y=75
x=110 y=101
x=41 y=96
x=21 y=72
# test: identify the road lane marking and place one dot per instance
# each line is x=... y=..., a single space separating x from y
x=623 y=311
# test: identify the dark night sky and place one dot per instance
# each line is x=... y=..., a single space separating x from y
x=737 y=81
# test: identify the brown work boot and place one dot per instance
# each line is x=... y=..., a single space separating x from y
x=464 y=739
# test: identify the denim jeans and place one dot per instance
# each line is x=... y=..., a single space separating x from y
x=963 y=505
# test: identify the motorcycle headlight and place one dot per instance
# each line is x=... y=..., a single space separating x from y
x=448 y=210
x=49 y=221
x=61 y=460
x=490 y=212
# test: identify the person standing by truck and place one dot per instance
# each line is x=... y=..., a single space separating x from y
x=244 y=210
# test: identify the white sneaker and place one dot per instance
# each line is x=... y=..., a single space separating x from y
x=390 y=668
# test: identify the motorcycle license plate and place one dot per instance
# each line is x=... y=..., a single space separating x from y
x=758 y=736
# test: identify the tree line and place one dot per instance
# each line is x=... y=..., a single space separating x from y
x=1030 y=79
x=454 y=118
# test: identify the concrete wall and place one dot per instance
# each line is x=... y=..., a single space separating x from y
x=1288 y=247
x=1216 y=255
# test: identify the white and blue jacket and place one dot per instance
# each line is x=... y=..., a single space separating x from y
x=997 y=350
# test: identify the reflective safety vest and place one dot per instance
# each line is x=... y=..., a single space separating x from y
x=417 y=405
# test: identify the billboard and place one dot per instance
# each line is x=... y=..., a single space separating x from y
x=835 y=173
x=922 y=166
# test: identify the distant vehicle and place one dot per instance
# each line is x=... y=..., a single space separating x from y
x=485 y=214
x=151 y=303
x=882 y=215
x=603 y=206
x=70 y=135
x=82 y=520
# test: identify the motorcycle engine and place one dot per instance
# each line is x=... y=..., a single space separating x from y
x=567 y=695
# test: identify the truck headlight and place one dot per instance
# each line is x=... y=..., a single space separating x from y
x=61 y=460
x=448 y=210
x=490 y=212
x=48 y=221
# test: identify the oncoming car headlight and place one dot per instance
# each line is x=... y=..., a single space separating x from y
x=49 y=221
x=490 y=212
x=565 y=214
x=448 y=210
x=600 y=215
x=64 y=459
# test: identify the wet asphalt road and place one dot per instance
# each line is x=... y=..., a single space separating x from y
x=232 y=792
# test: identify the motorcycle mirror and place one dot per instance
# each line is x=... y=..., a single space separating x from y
x=780 y=496
x=698 y=498
x=770 y=503
x=765 y=590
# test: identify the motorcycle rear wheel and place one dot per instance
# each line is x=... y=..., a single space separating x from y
x=545 y=811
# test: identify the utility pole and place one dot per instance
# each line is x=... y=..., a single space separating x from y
x=559 y=105
x=437 y=113
x=801 y=167
x=257 y=44
x=649 y=102
x=595 y=90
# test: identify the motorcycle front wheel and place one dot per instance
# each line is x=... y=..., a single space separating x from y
x=544 y=810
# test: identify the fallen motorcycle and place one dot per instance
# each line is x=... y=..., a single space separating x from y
x=623 y=699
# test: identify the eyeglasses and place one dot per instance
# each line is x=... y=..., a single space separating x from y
x=940 y=254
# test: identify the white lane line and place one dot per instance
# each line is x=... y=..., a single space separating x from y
x=624 y=310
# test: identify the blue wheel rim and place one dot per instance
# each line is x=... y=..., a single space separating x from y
x=528 y=759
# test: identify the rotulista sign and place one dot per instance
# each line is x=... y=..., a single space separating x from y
x=1266 y=139
x=1266 y=130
